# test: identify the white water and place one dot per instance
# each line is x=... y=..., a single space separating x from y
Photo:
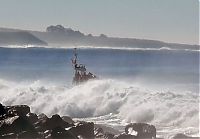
x=102 y=47
x=109 y=102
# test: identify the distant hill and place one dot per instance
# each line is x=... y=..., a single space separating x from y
x=19 y=38
x=65 y=37
x=61 y=36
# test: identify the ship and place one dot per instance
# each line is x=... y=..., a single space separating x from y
x=80 y=71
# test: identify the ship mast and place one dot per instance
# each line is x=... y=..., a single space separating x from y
x=80 y=74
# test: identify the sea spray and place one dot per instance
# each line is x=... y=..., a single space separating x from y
x=108 y=102
x=102 y=97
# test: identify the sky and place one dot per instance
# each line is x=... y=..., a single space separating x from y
x=166 y=20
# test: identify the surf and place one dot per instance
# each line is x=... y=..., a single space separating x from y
x=102 y=97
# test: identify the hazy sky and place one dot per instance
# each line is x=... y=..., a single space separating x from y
x=166 y=20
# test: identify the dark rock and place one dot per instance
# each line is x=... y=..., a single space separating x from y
x=68 y=119
x=42 y=116
x=107 y=129
x=15 y=125
x=108 y=136
x=40 y=124
x=84 y=129
x=60 y=132
x=2 y=110
x=56 y=121
x=9 y=136
x=47 y=134
x=20 y=110
x=183 y=136
x=124 y=136
x=45 y=123
x=32 y=117
x=98 y=132
x=142 y=130
x=28 y=135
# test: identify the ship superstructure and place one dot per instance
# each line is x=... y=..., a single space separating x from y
x=80 y=71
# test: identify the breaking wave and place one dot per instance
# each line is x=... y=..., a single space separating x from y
x=104 y=97
x=109 y=102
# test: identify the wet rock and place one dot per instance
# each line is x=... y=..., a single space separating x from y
x=20 y=110
x=60 y=132
x=44 y=123
x=84 y=129
x=98 y=132
x=15 y=125
x=56 y=121
x=9 y=136
x=108 y=136
x=42 y=116
x=2 y=110
x=28 y=135
x=40 y=124
x=68 y=119
x=124 y=136
x=32 y=117
x=183 y=136
x=18 y=122
x=141 y=130
x=47 y=134
x=107 y=129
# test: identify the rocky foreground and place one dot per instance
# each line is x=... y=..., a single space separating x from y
x=18 y=122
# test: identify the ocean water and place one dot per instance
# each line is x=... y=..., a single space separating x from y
x=156 y=86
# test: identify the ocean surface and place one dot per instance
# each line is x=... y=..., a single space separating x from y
x=156 y=86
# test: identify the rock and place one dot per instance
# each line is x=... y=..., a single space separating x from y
x=107 y=129
x=183 y=136
x=98 y=132
x=108 y=136
x=2 y=110
x=28 y=135
x=45 y=123
x=47 y=134
x=40 y=124
x=9 y=136
x=124 y=136
x=141 y=130
x=20 y=110
x=56 y=121
x=42 y=116
x=15 y=125
x=84 y=129
x=68 y=119
x=32 y=117
x=60 y=132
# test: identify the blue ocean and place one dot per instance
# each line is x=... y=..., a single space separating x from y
x=157 y=86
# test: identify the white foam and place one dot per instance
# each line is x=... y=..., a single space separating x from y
x=134 y=48
x=121 y=102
